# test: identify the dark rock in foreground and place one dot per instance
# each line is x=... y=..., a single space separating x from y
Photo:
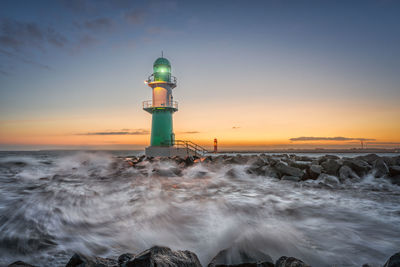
x=236 y=256
x=79 y=260
x=393 y=261
x=164 y=257
x=290 y=262
x=20 y=264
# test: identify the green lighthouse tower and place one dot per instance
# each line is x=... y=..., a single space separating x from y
x=161 y=107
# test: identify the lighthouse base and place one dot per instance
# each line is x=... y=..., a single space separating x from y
x=161 y=151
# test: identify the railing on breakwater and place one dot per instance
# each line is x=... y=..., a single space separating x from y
x=190 y=146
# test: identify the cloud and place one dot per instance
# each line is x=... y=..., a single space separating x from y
x=190 y=132
x=135 y=132
x=236 y=127
x=99 y=24
x=134 y=16
x=16 y=35
x=23 y=59
x=337 y=138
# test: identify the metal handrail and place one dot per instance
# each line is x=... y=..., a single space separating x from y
x=190 y=145
x=149 y=104
x=150 y=79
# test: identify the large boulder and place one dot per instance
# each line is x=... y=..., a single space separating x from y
x=284 y=169
x=394 y=170
x=314 y=171
x=380 y=168
x=238 y=256
x=20 y=264
x=345 y=172
x=331 y=166
x=164 y=257
x=326 y=157
x=328 y=180
x=290 y=262
x=300 y=164
x=360 y=166
x=370 y=158
x=79 y=260
x=393 y=261
x=270 y=172
x=124 y=258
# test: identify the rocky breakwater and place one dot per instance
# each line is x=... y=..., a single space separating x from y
x=330 y=169
x=165 y=257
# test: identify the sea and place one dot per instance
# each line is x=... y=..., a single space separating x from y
x=56 y=203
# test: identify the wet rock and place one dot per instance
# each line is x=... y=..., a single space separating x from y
x=395 y=180
x=122 y=259
x=360 y=167
x=314 y=171
x=330 y=166
x=393 y=261
x=290 y=178
x=326 y=157
x=237 y=256
x=300 y=164
x=78 y=260
x=370 y=158
x=380 y=167
x=270 y=172
x=303 y=158
x=284 y=169
x=164 y=257
x=394 y=170
x=290 y=262
x=329 y=180
x=390 y=161
x=189 y=161
x=345 y=172
x=20 y=264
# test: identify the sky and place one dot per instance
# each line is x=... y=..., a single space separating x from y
x=254 y=74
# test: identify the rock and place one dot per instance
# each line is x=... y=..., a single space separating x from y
x=361 y=167
x=284 y=169
x=172 y=172
x=78 y=260
x=345 y=172
x=326 y=157
x=122 y=259
x=290 y=178
x=395 y=180
x=380 y=167
x=164 y=257
x=370 y=158
x=314 y=171
x=20 y=264
x=290 y=262
x=270 y=172
x=394 y=170
x=331 y=166
x=393 y=261
x=327 y=179
x=389 y=161
x=237 y=256
x=189 y=161
x=303 y=158
x=300 y=164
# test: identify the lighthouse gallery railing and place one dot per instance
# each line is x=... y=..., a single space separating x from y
x=149 y=104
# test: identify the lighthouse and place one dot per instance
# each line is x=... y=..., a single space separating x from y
x=162 y=107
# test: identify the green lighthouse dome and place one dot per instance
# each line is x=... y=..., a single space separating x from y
x=162 y=69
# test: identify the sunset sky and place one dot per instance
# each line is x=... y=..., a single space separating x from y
x=266 y=74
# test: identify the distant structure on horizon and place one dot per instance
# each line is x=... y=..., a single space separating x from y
x=162 y=106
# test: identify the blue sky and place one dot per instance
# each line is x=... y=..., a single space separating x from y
x=65 y=60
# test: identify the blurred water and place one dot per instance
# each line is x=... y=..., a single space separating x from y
x=55 y=203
